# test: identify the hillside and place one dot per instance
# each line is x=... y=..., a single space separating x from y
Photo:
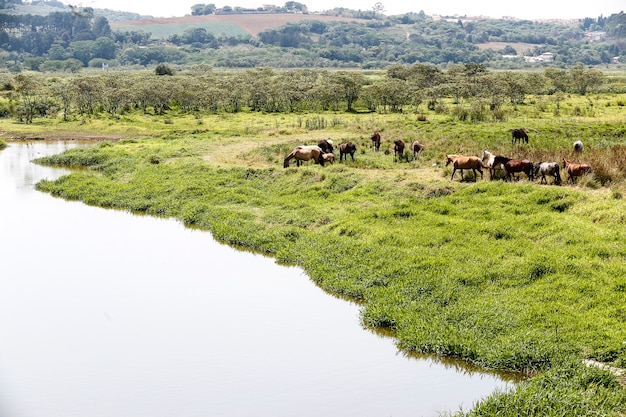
x=252 y=24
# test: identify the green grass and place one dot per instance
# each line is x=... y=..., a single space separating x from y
x=507 y=276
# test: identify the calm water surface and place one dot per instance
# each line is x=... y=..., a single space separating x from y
x=108 y=314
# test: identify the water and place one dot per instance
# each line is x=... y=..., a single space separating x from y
x=107 y=314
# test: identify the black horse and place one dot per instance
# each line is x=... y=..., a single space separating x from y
x=519 y=135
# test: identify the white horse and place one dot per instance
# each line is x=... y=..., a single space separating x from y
x=488 y=159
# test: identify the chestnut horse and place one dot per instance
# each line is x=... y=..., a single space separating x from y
x=512 y=166
x=375 y=140
x=575 y=170
x=461 y=162
x=305 y=153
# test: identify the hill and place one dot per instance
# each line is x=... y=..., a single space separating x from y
x=252 y=24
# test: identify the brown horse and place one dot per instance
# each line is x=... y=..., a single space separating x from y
x=329 y=157
x=345 y=149
x=575 y=170
x=305 y=153
x=416 y=147
x=462 y=162
x=398 y=148
x=512 y=166
x=375 y=138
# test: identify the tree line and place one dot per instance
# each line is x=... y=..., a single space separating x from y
x=204 y=90
x=69 y=41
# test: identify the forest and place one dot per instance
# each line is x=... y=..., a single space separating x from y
x=74 y=38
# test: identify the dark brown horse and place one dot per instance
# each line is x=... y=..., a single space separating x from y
x=416 y=147
x=326 y=145
x=512 y=166
x=375 y=138
x=519 y=135
x=345 y=149
x=305 y=153
x=462 y=162
x=398 y=148
x=575 y=170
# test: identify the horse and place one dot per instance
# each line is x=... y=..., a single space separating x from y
x=305 y=153
x=326 y=145
x=488 y=159
x=345 y=149
x=520 y=135
x=416 y=147
x=329 y=157
x=578 y=146
x=547 y=168
x=462 y=162
x=375 y=138
x=514 y=165
x=575 y=170
x=398 y=148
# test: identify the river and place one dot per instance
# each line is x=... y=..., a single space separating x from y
x=108 y=314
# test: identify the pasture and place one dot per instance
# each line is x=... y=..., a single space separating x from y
x=514 y=276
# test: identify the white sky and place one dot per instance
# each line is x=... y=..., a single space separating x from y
x=524 y=9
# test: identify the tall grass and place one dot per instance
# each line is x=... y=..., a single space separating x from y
x=507 y=276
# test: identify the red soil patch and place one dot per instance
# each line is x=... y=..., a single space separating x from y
x=251 y=23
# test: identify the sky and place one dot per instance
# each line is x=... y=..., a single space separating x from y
x=525 y=9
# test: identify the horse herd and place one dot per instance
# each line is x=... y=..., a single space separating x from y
x=322 y=153
x=510 y=167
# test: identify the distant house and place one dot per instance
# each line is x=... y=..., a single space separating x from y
x=545 y=57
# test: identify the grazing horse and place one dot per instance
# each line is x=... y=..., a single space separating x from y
x=416 y=147
x=398 y=148
x=326 y=145
x=547 y=168
x=578 y=146
x=488 y=159
x=345 y=149
x=512 y=166
x=575 y=170
x=461 y=162
x=520 y=135
x=305 y=153
x=329 y=157
x=375 y=138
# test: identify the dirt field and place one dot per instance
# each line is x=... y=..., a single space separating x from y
x=251 y=23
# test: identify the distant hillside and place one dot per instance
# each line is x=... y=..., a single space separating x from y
x=45 y=9
x=229 y=24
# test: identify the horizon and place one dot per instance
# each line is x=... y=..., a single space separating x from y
x=531 y=9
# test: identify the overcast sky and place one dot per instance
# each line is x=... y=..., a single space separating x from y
x=524 y=9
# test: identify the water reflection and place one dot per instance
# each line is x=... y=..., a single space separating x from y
x=103 y=313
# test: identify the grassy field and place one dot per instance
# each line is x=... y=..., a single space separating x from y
x=511 y=276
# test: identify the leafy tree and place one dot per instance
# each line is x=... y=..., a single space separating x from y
x=163 y=69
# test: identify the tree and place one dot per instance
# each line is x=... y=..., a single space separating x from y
x=163 y=69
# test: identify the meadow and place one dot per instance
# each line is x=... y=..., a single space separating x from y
x=509 y=276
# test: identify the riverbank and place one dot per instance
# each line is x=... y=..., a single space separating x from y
x=508 y=276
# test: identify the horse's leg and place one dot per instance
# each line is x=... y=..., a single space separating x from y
x=453 y=171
